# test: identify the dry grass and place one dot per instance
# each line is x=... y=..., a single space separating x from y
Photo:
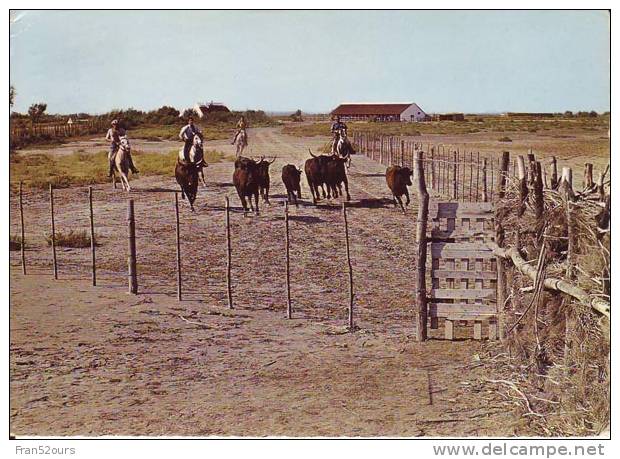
x=559 y=349
x=39 y=170
x=77 y=239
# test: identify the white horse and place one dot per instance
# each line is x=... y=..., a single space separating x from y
x=241 y=141
x=196 y=156
x=121 y=163
x=344 y=149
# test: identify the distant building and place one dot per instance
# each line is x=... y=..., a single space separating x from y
x=205 y=108
x=451 y=117
x=528 y=115
x=380 y=112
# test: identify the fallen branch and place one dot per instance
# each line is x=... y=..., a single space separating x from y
x=598 y=304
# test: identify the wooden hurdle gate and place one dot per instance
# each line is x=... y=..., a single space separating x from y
x=463 y=267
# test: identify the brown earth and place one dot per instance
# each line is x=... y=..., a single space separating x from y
x=96 y=361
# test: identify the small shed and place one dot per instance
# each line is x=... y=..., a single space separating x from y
x=204 y=108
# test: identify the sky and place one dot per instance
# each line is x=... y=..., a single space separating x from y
x=464 y=61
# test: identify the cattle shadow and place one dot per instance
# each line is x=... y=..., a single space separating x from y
x=219 y=184
x=379 y=174
x=372 y=203
x=302 y=218
x=156 y=189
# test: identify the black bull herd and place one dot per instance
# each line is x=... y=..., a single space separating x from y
x=325 y=174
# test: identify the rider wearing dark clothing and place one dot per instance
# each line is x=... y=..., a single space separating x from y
x=337 y=125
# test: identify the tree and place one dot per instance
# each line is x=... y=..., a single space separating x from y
x=296 y=116
x=568 y=113
x=36 y=111
x=188 y=112
x=12 y=94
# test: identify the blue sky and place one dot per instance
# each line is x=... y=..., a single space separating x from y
x=469 y=61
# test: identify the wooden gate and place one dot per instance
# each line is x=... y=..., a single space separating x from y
x=464 y=269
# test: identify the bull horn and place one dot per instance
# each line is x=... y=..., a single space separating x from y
x=311 y=153
x=273 y=161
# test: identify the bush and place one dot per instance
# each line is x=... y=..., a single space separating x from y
x=15 y=243
x=505 y=139
x=78 y=239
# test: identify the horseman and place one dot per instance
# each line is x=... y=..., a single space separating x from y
x=337 y=126
x=241 y=126
x=114 y=135
x=187 y=135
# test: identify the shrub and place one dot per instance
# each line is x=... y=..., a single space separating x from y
x=76 y=239
x=15 y=242
x=505 y=139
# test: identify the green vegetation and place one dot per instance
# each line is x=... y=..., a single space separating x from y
x=80 y=168
x=161 y=124
x=78 y=239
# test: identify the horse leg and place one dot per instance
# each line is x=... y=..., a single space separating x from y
x=407 y=194
x=201 y=174
x=126 y=180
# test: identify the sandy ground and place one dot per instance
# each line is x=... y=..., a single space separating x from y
x=97 y=361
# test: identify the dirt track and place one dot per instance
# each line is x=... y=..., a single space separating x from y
x=94 y=360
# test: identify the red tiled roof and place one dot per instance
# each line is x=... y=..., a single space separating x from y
x=370 y=109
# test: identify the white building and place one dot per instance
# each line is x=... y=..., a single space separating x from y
x=380 y=112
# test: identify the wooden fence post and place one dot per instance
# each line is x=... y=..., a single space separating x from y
x=93 y=242
x=178 y=240
x=421 y=319
x=588 y=182
x=499 y=238
x=539 y=206
x=402 y=153
x=455 y=183
x=228 y=255
x=485 y=189
x=478 y=177
x=131 y=258
x=289 y=308
x=349 y=266
x=554 y=173
x=531 y=159
x=432 y=168
x=54 y=261
x=523 y=191
x=23 y=231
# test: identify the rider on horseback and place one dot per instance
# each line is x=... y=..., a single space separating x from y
x=187 y=135
x=241 y=125
x=337 y=125
x=114 y=135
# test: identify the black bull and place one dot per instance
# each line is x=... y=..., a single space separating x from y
x=326 y=171
x=251 y=178
x=398 y=179
x=187 y=177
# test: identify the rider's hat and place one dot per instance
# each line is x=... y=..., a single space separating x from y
x=114 y=121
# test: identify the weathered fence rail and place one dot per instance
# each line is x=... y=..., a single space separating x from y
x=20 y=133
x=452 y=173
